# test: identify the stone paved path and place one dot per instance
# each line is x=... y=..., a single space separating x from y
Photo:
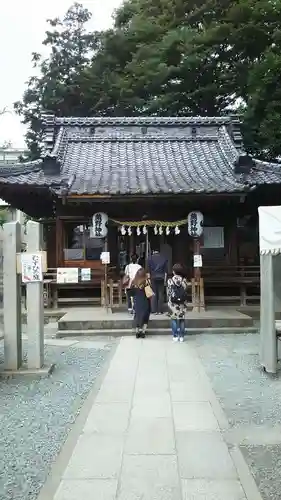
x=155 y=432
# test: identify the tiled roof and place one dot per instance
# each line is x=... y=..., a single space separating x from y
x=29 y=173
x=155 y=164
x=266 y=173
x=147 y=155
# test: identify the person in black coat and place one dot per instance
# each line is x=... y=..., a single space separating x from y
x=141 y=303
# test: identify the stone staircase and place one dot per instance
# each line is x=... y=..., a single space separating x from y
x=97 y=321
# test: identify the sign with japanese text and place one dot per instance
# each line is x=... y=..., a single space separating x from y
x=197 y=260
x=31 y=267
x=105 y=258
x=67 y=275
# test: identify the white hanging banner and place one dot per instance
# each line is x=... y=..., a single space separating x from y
x=100 y=221
x=195 y=222
x=270 y=230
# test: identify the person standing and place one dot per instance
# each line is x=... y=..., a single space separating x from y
x=130 y=273
x=158 y=269
x=177 y=301
x=142 y=294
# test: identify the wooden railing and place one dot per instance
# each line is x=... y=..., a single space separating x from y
x=219 y=284
x=242 y=279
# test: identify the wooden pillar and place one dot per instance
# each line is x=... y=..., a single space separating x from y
x=106 y=296
x=132 y=243
x=59 y=242
x=198 y=296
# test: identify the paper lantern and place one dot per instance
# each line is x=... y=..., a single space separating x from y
x=100 y=221
x=195 y=222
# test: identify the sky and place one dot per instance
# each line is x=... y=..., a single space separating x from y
x=22 y=28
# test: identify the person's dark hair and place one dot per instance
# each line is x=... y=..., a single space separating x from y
x=179 y=270
x=134 y=258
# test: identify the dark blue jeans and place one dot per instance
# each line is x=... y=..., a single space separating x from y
x=178 y=327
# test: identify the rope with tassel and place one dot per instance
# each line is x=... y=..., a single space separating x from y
x=150 y=223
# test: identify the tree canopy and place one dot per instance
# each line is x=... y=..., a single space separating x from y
x=165 y=57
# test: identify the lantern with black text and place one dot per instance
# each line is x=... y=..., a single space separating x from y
x=100 y=221
x=195 y=222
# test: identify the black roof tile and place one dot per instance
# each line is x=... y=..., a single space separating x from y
x=141 y=155
x=155 y=164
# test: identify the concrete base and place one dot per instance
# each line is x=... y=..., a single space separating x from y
x=45 y=371
x=153 y=333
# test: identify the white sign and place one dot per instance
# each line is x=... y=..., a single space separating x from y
x=86 y=274
x=67 y=275
x=213 y=237
x=105 y=258
x=197 y=261
x=270 y=230
x=31 y=267
x=195 y=222
x=100 y=221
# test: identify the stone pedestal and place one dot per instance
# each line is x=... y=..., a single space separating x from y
x=35 y=303
x=268 y=342
x=12 y=297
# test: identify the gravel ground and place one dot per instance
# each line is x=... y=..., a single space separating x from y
x=37 y=414
x=248 y=396
x=265 y=464
x=246 y=393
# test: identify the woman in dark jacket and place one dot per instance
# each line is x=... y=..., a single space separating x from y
x=141 y=303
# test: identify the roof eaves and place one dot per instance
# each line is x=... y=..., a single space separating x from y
x=21 y=168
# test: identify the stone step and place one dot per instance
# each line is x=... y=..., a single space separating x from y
x=111 y=323
x=153 y=332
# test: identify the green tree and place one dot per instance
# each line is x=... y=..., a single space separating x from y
x=177 y=57
x=58 y=86
x=262 y=130
x=165 y=57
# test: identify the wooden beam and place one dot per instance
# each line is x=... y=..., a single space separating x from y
x=87 y=196
x=128 y=198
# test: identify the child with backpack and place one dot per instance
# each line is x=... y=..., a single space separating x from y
x=177 y=301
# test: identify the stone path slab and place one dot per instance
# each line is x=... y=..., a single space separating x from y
x=154 y=432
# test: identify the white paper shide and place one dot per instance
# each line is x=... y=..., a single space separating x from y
x=270 y=230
